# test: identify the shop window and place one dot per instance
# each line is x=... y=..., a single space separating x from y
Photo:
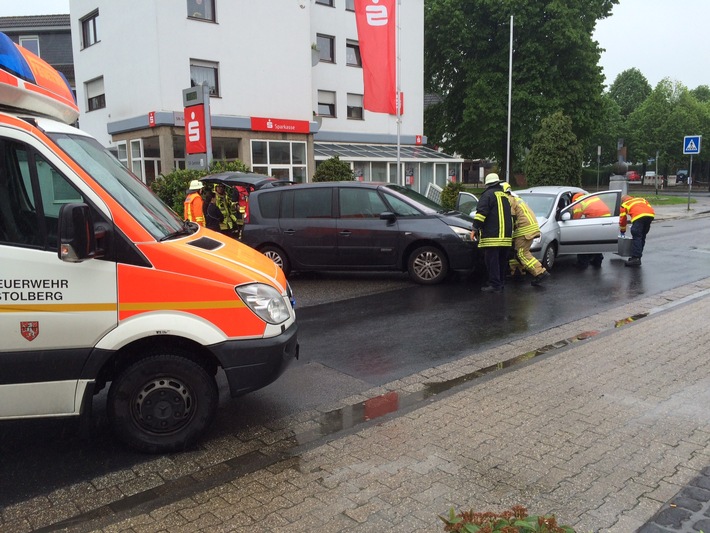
x=350 y=5
x=205 y=72
x=328 y=3
x=201 y=9
x=95 y=96
x=326 y=103
x=90 y=29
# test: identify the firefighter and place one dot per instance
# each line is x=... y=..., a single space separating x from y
x=525 y=229
x=228 y=225
x=592 y=207
x=641 y=214
x=493 y=228
x=194 y=204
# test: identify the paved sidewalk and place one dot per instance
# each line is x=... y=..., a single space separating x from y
x=599 y=432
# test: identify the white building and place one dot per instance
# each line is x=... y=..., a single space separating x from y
x=293 y=62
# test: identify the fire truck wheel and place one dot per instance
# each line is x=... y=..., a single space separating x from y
x=163 y=403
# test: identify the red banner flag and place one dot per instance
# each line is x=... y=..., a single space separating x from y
x=377 y=36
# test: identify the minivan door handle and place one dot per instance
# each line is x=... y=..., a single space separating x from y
x=289 y=231
x=345 y=233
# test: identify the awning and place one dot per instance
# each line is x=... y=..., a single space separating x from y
x=382 y=152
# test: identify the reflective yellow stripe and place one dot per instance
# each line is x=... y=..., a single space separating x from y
x=55 y=308
x=168 y=306
x=138 y=306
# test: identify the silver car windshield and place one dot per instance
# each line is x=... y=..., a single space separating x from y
x=156 y=217
x=541 y=204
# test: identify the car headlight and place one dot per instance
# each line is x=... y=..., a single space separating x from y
x=536 y=242
x=464 y=233
x=265 y=301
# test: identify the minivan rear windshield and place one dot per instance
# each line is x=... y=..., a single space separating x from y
x=156 y=217
x=422 y=200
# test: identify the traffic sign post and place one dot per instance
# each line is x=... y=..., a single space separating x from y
x=691 y=146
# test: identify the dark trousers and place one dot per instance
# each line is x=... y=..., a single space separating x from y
x=639 y=229
x=496 y=260
x=585 y=260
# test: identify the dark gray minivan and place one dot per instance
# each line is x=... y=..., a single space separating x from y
x=352 y=225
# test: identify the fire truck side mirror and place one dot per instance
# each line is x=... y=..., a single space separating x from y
x=77 y=238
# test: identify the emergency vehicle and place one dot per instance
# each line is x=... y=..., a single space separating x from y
x=101 y=284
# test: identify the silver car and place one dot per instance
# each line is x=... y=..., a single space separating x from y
x=560 y=233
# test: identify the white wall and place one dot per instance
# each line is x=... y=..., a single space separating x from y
x=263 y=48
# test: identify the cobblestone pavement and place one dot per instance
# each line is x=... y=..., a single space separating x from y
x=602 y=421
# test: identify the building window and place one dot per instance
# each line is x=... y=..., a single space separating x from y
x=326 y=45
x=95 y=97
x=30 y=43
x=326 y=103
x=280 y=159
x=205 y=71
x=350 y=5
x=325 y=2
x=352 y=54
x=201 y=9
x=355 y=106
x=90 y=29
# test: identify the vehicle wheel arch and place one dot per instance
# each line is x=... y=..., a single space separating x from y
x=549 y=255
x=146 y=347
x=285 y=262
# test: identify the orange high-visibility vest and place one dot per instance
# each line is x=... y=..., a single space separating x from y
x=593 y=207
x=193 y=208
x=634 y=208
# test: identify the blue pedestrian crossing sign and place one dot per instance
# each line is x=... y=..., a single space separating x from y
x=691 y=144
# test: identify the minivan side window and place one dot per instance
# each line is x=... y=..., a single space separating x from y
x=309 y=203
x=269 y=204
x=360 y=203
x=401 y=208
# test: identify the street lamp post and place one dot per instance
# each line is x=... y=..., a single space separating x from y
x=599 y=154
x=656 y=177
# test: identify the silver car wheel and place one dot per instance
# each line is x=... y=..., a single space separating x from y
x=427 y=265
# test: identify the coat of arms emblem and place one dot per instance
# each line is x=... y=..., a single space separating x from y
x=29 y=330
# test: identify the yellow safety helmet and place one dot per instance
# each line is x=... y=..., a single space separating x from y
x=506 y=187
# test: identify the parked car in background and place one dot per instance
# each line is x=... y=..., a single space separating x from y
x=560 y=234
x=632 y=175
x=681 y=176
x=352 y=225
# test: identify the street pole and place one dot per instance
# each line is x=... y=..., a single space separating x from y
x=599 y=154
x=510 y=99
x=656 y=178
x=690 y=179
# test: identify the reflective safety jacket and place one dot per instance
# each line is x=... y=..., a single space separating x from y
x=635 y=208
x=592 y=207
x=524 y=221
x=193 y=208
x=225 y=207
x=494 y=218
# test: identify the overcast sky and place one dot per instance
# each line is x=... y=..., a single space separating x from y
x=661 y=38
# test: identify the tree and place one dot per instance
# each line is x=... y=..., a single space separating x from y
x=660 y=123
x=555 y=68
x=556 y=155
x=333 y=169
x=629 y=90
x=701 y=93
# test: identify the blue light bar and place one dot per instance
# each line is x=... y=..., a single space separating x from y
x=11 y=60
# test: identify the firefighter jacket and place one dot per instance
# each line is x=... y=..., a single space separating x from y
x=493 y=218
x=592 y=207
x=225 y=207
x=524 y=220
x=635 y=208
x=193 y=208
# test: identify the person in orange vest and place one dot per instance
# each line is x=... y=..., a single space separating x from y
x=641 y=214
x=591 y=207
x=525 y=229
x=194 y=203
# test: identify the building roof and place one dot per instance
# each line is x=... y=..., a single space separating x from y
x=34 y=22
x=374 y=152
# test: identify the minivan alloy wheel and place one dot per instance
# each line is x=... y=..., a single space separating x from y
x=428 y=265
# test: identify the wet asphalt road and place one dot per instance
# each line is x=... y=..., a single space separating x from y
x=361 y=330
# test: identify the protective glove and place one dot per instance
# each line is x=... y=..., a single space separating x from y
x=475 y=235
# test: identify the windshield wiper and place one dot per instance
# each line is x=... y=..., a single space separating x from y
x=187 y=229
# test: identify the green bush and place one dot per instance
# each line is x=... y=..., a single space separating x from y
x=333 y=169
x=450 y=194
x=171 y=188
x=515 y=520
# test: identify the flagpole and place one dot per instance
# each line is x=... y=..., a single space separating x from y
x=398 y=100
x=510 y=91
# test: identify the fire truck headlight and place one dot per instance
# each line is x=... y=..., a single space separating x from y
x=265 y=301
